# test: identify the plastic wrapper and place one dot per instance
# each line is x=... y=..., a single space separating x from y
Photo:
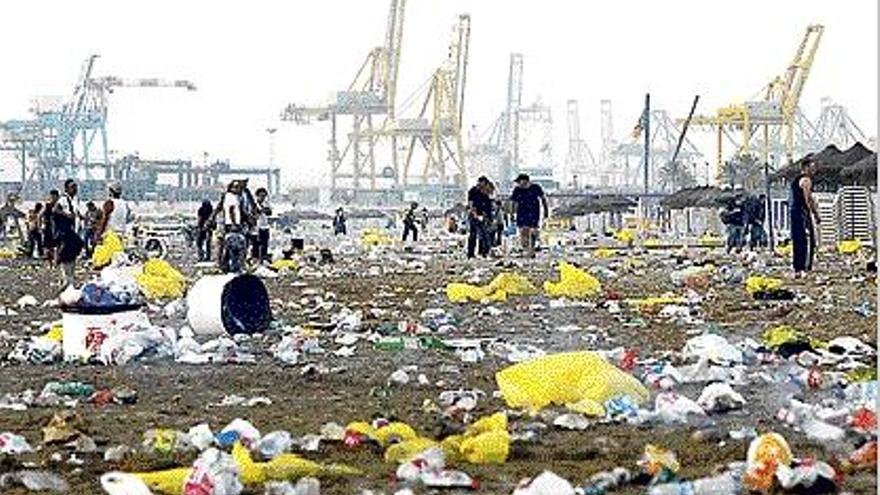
x=583 y=381
x=108 y=247
x=160 y=280
x=503 y=285
x=213 y=473
x=573 y=283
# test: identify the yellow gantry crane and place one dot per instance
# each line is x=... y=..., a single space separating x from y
x=777 y=113
x=370 y=97
x=437 y=129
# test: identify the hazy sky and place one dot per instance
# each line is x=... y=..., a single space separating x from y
x=251 y=58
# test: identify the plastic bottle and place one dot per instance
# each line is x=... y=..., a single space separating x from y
x=605 y=481
x=34 y=481
x=724 y=484
x=69 y=389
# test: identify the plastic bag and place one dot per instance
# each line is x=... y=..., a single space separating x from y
x=713 y=347
x=375 y=237
x=161 y=280
x=284 y=264
x=168 y=481
x=581 y=380
x=573 y=283
x=213 y=473
x=408 y=450
x=104 y=252
x=849 y=247
x=759 y=283
x=491 y=447
x=503 y=285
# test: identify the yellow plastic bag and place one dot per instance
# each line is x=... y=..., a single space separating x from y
x=495 y=422
x=582 y=378
x=394 y=432
x=404 y=451
x=284 y=264
x=625 y=236
x=710 y=240
x=491 y=447
x=648 y=304
x=504 y=284
x=573 y=283
x=605 y=253
x=56 y=333
x=451 y=446
x=281 y=468
x=784 y=250
x=160 y=280
x=167 y=482
x=104 y=252
x=375 y=237
x=849 y=247
x=6 y=253
x=758 y=283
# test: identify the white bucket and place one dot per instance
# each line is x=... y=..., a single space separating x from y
x=228 y=304
x=86 y=329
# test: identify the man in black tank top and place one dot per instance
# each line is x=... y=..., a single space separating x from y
x=803 y=211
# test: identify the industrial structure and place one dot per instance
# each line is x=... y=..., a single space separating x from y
x=381 y=145
x=367 y=105
x=69 y=139
x=519 y=140
x=774 y=123
x=625 y=165
x=580 y=164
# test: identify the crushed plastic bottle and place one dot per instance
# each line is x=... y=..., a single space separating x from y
x=273 y=444
x=606 y=481
x=34 y=481
x=725 y=484
x=69 y=389
x=305 y=486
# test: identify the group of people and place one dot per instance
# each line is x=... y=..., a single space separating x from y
x=744 y=217
x=486 y=215
x=243 y=220
x=61 y=229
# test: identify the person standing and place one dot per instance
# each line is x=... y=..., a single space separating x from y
x=48 y=224
x=34 y=231
x=527 y=198
x=803 y=212
x=64 y=219
x=92 y=221
x=756 y=212
x=479 y=218
x=498 y=223
x=234 y=249
x=409 y=223
x=262 y=212
x=339 y=227
x=733 y=218
x=204 y=230
x=116 y=213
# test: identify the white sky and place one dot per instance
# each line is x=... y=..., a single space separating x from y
x=251 y=58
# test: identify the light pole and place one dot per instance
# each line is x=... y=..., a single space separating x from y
x=271 y=132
